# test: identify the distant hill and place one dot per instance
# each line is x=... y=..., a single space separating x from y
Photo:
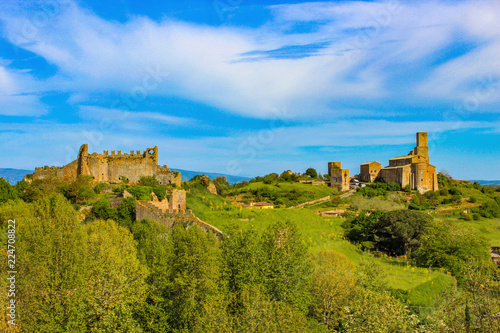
x=15 y=175
x=486 y=182
x=231 y=179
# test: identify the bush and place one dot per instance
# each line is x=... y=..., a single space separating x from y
x=150 y=181
x=312 y=173
x=270 y=178
x=160 y=191
x=102 y=210
x=456 y=198
x=455 y=191
x=473 y=199
x=450 y=245
x=488 y=210
x=444 y=192
x=100 y=187
x=141 y=192
x=85 y=193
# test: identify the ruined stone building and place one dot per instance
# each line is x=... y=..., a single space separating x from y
x=339 y=178
x=110 y=167
x=412 y=169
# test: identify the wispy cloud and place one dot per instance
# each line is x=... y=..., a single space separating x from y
x=360 y=50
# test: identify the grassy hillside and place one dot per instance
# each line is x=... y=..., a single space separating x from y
x=418 y=285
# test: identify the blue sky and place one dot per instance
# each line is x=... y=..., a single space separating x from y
x=251 y=87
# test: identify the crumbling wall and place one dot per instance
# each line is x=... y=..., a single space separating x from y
x=145 y=210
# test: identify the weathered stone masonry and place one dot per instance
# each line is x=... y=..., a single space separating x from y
x=110 y=167
x=413 y=169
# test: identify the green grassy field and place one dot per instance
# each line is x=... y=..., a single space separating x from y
x=418 y=285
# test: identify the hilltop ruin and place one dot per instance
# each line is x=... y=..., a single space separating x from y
x=110 y=167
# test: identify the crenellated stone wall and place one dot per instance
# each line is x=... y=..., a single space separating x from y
x=110 y=167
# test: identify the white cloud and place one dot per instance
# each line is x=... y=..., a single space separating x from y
x=15 y=96
x=372 y=50
x=96 y=113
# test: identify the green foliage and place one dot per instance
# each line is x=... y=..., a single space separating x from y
x=312 y=173
x=160 y=191
x=487 y=210
x=444 y=191
x=331 y=288
x=243 y=256
x=287 y=269
x=141 y=192
x=52 y=267
x=124 y=179
x=85 y=193
x=116 y=284
x=194 y=274
x=270 y=178
x=372 y=311
x=455 y=191
x=100 y=187
x=150 y=181
x=288 y=177
x=363 y=229
x=395 y=232
x=450 y=245
x=7 y=191
x=444 y=179
x=366 y=203
x=399 y=231
x=126 y=212
x=102 y=210
x=153 y=250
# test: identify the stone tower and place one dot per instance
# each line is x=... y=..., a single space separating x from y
x=339 y=178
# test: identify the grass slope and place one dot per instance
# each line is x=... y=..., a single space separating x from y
x=419 y=285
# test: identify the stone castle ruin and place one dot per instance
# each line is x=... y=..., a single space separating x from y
x=412 y=169
x=110 y=167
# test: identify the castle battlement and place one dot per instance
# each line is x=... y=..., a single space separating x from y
x=47 y=168
x=112 y=165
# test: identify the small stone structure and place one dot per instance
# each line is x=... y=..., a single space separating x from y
x=413 y=169
x=110 y=167
x=171 y=217
x=369 y=171
x=339 y=178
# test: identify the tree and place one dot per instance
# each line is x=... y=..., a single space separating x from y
x=286 y=265
x=116 y=284
x=450 y=245
x=312 y=173
x=194 y=274
x=332 y=283
x=126 y=212
x=153 y=251
x=242 y=256
x=102 y=210
x=270 y=178
x=85 y=193
x=7 y=191
x=399 y=231
x=375 y=312
x=363 y=229
x=52 y=267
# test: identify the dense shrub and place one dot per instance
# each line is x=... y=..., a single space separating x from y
x=150 y=181
x=141 y=192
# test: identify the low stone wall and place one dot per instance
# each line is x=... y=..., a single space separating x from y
x=312 y=202
x=146 y=210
